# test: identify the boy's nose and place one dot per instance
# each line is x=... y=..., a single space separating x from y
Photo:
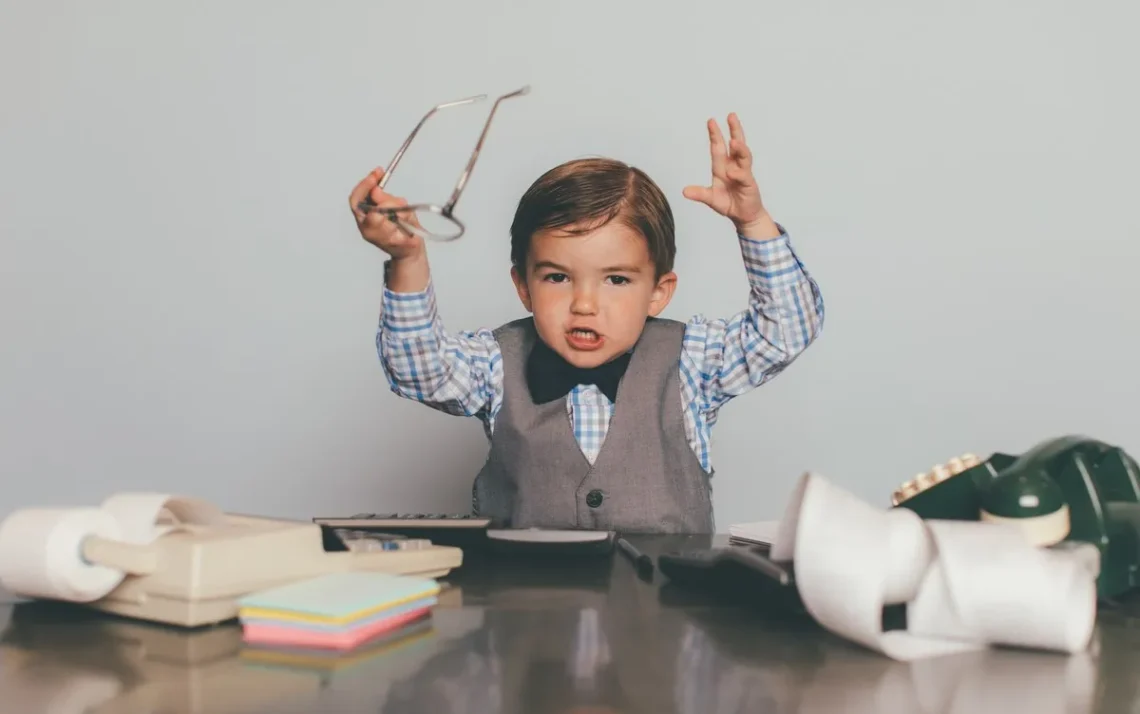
x=583 y=303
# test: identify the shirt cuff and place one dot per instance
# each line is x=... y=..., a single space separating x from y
x=408 y=315
x=772 y=263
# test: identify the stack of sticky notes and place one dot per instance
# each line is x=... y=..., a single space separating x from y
x=410 y=638
x=336 y=611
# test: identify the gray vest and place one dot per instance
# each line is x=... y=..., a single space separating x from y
x=646 y=478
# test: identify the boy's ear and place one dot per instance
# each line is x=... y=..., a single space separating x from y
x=662 y=293
x=521 y=288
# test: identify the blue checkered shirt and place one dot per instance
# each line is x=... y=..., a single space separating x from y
x=461 y=373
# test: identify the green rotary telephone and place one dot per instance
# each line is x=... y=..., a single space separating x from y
x=1068 y=489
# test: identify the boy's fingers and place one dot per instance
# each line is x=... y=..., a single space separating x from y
x=741 y=152
x=392 y=229
x=387 y=200
x=735 y=128
x=701 y=194
x=740 y=176
x=365 y=186
x=399 y=219
x=716 y=148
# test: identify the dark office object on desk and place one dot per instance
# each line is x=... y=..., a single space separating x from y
x=546 y=543
x=457 y=530
x=641 y=561
x=369 y=540
x=1068 y=489
x=476 y=536
x=739 y=573
x=537 y=583
x=591 y=575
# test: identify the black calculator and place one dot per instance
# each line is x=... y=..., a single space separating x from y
x=460 y=530
x=406 y=520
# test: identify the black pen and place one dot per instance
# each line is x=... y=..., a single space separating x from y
x=642 y=561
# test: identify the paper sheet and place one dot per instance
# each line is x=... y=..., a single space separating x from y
x=143 y=516
x=755 y=532
x=967 y=585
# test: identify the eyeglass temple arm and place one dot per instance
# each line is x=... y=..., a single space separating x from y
x=478 y=146
x=407 y=142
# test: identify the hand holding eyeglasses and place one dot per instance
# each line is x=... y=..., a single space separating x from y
x=376 y=227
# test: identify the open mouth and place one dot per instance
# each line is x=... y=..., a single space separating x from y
x=584 y=339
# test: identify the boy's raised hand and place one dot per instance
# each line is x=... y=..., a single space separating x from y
x=378 y=229
x=734 y=192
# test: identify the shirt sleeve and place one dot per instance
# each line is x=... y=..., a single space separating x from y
x=457 y=373
x=725 y=358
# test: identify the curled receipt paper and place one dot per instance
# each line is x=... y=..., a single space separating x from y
x=967 y=585
x=42 y=549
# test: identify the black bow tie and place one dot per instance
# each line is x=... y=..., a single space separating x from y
x=550 y=377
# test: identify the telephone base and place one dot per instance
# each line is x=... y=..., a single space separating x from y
x=202 y=573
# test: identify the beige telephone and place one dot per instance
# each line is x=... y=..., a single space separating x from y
x=178 y=560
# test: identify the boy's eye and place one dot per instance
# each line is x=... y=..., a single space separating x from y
x=619 y=279
x=555 y=277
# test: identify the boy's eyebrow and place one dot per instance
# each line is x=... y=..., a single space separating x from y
x=550 y=264
x=610 y=269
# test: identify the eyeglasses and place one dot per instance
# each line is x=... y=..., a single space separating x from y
x=436 y=222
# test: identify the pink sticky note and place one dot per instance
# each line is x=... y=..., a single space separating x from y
x=284 y=635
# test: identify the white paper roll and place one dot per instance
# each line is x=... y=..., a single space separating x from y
x=41 y=549
x=967 y=584
x=41 y=554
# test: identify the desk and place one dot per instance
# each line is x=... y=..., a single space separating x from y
x=537 y=638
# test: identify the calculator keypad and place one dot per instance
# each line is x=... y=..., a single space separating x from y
x=413 y=516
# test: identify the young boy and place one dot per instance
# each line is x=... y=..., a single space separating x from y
x=598 y=412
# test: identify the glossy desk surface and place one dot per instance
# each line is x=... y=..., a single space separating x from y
x=533 y=638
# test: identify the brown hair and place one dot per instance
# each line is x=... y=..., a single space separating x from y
x=584 y=194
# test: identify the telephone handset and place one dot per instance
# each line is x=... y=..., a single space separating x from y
x=1070 y=488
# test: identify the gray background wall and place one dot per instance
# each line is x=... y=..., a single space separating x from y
x=186 y=305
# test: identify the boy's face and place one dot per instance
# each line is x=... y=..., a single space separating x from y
x=592 y=293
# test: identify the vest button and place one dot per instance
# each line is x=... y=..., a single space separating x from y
x=594 y=498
